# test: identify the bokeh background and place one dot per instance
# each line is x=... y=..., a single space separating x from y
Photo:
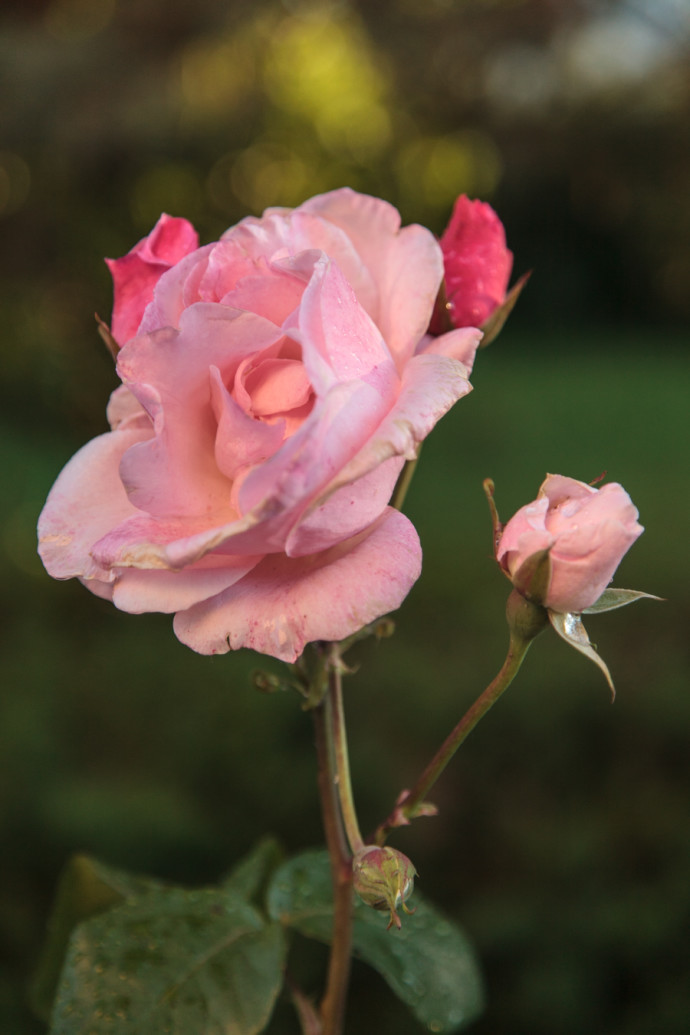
x=563 y=844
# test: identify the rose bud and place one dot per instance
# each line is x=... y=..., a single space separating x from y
x=384 y=879
x=477 y=266
x=586 y=532
x=136 y=274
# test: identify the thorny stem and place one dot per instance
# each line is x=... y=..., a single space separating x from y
x=408 y=807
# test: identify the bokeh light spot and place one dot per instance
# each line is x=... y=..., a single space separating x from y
x=325 y=71
x=434 y=170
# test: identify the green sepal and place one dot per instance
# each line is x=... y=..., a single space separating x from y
x=196 y=962
x=493 y=326
x=612 y=598
x=86 y=888
x=533 y=577
x=429 y=963
x=570 y=627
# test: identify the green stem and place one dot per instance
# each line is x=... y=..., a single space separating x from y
x=332 y=1007
x=335 y=720
x=413 y=799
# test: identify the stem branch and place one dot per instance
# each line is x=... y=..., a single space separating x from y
x=412 y=800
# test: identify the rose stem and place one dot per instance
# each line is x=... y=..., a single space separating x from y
x=333 y=1003
x=517 y=650
x=335 y=719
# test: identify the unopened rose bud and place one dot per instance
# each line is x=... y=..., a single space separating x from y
x=477 y=265
x=584 y=532
x=384 y=879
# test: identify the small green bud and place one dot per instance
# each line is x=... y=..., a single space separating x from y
x=384 y=879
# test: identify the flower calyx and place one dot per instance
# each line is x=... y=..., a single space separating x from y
x=384 y=879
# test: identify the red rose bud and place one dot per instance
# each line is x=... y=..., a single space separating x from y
x=477 y=265
x=384 y=879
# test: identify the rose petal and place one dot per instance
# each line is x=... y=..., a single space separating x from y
x=345 y=512
x=176 y=472
x=138 y=591
x=87 y=500
x=406 y=265
x=284 y=603
x=430 y=386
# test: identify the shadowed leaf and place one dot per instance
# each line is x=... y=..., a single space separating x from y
x=199 y=962
x=428 y=964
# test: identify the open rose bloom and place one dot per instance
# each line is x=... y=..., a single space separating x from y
x=273 y=385
x=586 y=531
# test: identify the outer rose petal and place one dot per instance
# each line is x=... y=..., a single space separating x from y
x=135 y=275
x=284 y=603
x=87 y=500
x=406 y=264
x=138 y=591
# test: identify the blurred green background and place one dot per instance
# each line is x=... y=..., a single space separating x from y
x=563 y=844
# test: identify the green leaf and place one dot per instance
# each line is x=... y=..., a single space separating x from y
x=570 y=628
x=612 y=598
x=86 y=888
x=199 y=962
x=250 y=876
x=429 y=963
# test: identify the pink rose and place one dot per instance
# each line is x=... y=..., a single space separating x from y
x=276 y=382
x=477 y=263
x=587 y=531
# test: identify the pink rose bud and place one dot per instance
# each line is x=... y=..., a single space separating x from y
x=136 y=274
x=477 y=263
x=384 y=879
x=586 y=531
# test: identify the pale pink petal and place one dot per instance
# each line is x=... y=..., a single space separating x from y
x=430 y=386
x=240 y=439
x=273 y=294
x=125 y=411
x=177 y=288
x=339 y=340
x=336 y=429
x=282 y=235
x=524 y=535
x=346 y=511
x=461 y=344
x=284 y=603
x=176 y=472
x=87 y=500
x=406 y=265
x=139 y=591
